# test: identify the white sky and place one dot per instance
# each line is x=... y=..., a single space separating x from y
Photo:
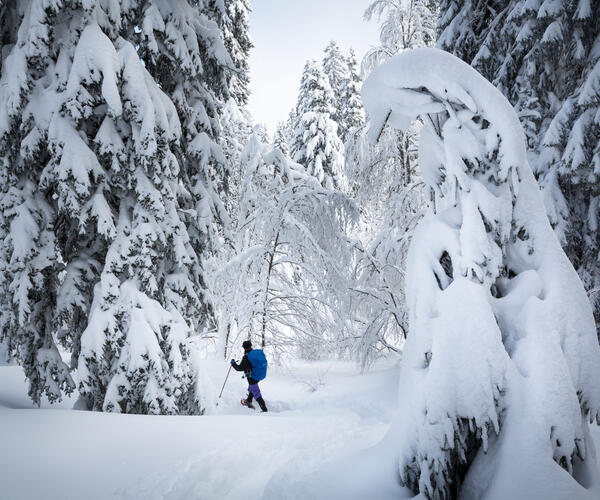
x=288 y=32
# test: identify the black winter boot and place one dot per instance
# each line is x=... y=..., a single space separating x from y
x=261 y=403
x=248 y=401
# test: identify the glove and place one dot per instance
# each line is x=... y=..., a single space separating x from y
x=232 y=362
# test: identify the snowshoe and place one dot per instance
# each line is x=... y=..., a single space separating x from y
x=245 y=403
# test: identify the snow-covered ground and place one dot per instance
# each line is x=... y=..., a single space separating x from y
x=323 y=413
x=322 y=440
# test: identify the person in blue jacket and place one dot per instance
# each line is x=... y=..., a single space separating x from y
x=254 y=365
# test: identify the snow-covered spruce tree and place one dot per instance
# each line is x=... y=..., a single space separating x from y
x=231 y=17
x=280 y=141
x=29 y=263
x=261 y=133
x=316 y=144
x=184 y=50
x=104 y=142
x=287 y=285
x=228 y=96
x=134 y=356
x=544 y=57
x=501 y=362
x=335 y=68
x=236 y=129
x=353 y=114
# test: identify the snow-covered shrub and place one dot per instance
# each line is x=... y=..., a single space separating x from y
x=501 y=364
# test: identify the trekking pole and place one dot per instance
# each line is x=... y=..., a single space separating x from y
x=222 y=388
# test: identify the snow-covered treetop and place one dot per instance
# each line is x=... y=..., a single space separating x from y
x=315 y=91
x=335 y=67
x=404 y=24
x=420 y=91
x=316 y=145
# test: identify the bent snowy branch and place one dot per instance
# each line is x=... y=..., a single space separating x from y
x=502 y=340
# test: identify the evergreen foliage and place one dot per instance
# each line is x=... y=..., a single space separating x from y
x=353 y=114
x=502 y=356
x=281 y=139
x=544 y=56
x=337 y=72
x=316 y=144
x=109 y=139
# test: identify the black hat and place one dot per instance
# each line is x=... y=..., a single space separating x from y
x=247 y=345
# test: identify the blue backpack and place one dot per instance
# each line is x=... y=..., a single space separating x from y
x=259 y=364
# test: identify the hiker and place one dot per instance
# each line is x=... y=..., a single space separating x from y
x=254 y=365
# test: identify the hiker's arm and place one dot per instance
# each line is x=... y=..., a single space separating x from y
x=243 y=366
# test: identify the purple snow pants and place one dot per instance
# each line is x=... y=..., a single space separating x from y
x=254 y=390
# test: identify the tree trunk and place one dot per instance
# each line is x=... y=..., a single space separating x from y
x=266 y=298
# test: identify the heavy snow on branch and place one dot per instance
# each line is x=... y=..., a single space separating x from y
x=501 y=364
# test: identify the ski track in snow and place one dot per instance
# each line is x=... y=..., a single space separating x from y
x=317 y=442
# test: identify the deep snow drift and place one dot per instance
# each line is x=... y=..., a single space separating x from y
x=322 y=412
x=324 y=440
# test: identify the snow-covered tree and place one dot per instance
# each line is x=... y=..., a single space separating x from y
x=404 y=24
x=133 y=355
x=183 y=49
x=261 y=132
x=380 y=317
x=281 y=139
x=236 y=129
x=109 y=142
x=390 y=164
x=316 y=144
x=499 y=368
x=353 y=114
x=544 y=57
x=335 y=68
x=232 y=17
x=29 y=257
x=286 y=286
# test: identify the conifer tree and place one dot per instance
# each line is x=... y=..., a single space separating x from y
x=239 y=44
x=29 y=259
x=337 y=72
x=116 y=180
x=543 y=56
x=183 y=49
x=316 y=145
x=281 y=138
x=493 y=299
x=353 y=114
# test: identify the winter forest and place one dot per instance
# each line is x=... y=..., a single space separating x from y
x=406 y=261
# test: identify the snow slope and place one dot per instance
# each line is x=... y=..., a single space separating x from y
x=230 y=453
